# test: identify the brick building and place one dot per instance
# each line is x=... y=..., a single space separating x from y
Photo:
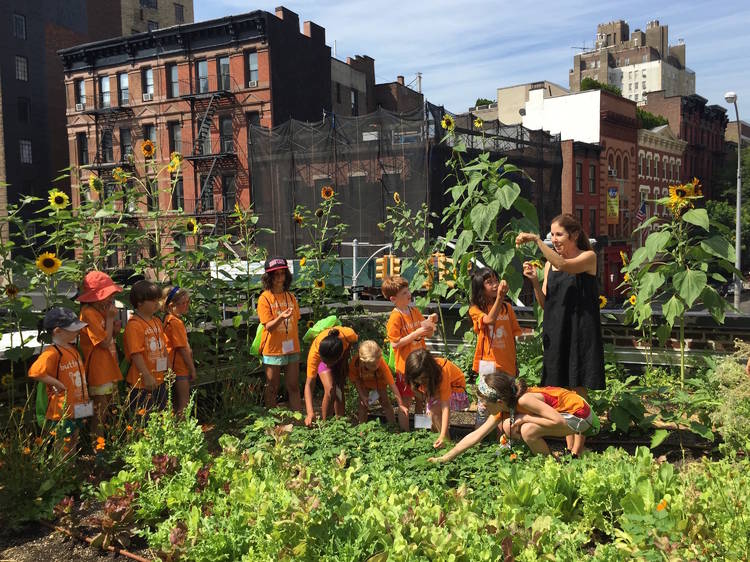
x=581 y=183
x=660 y=155
x=194 y=89
x=702 y=126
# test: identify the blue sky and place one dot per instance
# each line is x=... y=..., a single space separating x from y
x=468 y=49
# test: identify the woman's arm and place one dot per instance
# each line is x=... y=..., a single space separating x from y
x=469 y=441
x=585 y=262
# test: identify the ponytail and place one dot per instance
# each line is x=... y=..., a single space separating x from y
x=501 y=387
x=331 y=347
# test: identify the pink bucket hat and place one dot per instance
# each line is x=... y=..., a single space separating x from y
x=97 y=286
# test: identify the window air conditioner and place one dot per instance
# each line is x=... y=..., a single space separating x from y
x=252 y=84
x=80 y=106
x=611 y=172
x=148 y=97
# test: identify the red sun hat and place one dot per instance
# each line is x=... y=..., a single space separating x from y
x=273 y=264
x=97 y=286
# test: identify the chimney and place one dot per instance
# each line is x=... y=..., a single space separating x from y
x=400 y=80
x=288 y=16
x=314 y=32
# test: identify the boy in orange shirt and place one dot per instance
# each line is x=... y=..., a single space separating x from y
x=407 y=330
x=146 y=348
x=98 y=343
x=60 y=367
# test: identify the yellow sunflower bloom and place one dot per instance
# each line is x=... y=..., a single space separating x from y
x=237 y=209
x=118 y=174
x=320 y=284
x=173 y=166
x=176 y=156
x=148 y=148
x=192 y=226
x=478 y=123
x=7 y=380
x=396 y=197
x=298 y=218
x=303 y=261
x=58 y=200
x=310 y=324
x=48 y=263
x=632 y=300
x=448 y=123
x=627 y=278
x=623 y=257
x=96 y=184
x=327 y=192
x=602 y=301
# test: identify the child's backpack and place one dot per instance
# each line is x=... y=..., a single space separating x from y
x=319 y=326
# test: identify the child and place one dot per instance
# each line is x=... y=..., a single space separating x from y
x=98 y=343
x=407 y=330
x=370 y=374
x=60 y=367
x=179 y=353
x=536 y=413
x=328 y=358
x=279 y=313
x=146 y=348
x=444 y=385
x=496 y=327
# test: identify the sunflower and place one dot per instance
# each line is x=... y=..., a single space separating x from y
x=626 y=277
x=58 y=200
x=173 y=166
x=310 y=324
x=11 y=291
x=48 y=262
x=448 y=123
x=303 y=261
x=602 y=301
x=176 y=156
x=237 y=209
x=536 y=263
x=96 y=184
x=298 y=219
x=478 y=123
x=632 y=300
x=119 y=175
x=327 y=192
x=623 y=257
x=192 y=226
x=7 y=380
x=148 y=148
x=319 y=213
x=320 y=284
x=396 y=197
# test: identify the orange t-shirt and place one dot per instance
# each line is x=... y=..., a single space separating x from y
x=346 y=335
x=561 y=399
x=174 y=330
x=101 y=362
x=270 y=306
x=63 y=363
x=452 y=380
x=147 y=338
x=401 y=325
x=380 y=378
x=496 y=342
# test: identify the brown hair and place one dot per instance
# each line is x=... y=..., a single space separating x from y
x=143 y=291
x=574 y=230
x=509 y=389
x=392 y=285
x=421 y=369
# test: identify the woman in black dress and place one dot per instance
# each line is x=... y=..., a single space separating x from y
x=569 y=295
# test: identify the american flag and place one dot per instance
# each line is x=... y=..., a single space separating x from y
x=640 y=216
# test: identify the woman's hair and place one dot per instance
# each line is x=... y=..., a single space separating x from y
x=478 y=297
x=504 y=388
x=369 y=351
x=331 y=347
x=267 y=279
x=421 y=369
x=171 y=296
x=574 y=230
x=143 y=291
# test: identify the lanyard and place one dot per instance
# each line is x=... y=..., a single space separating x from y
x=405 y=327
x=286 y=306
x=84 y=390
x=154 y=327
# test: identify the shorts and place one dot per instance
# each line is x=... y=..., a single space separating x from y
x=588 y=427
x=458 y=401
x=102 y=389
x=281 y=359
x=403 y=388
x=68 y=426
x=182 y=378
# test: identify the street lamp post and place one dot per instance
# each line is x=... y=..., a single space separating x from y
x=731 y=97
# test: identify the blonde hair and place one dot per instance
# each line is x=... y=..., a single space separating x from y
x=369 y=351
x=174 y=295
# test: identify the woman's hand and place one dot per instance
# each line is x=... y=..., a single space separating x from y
x=526 y=237
x=529 y=270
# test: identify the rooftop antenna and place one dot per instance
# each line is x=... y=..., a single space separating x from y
x=334 y=48
x=418 y=80
x=584 y=48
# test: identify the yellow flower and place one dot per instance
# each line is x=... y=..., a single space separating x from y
x=327 y=192
x=192 y=226
x=101 y=443
x=11 y=290
x=448 y=123
x=26 y=451
x=310 y=324
x=119 y=175
x=320 y=284
x=48 y=262
x=662 y=505
x=96 y=184
x=298 y=218
x=237 y=209
x=173 y=166
x=176 y=156
x=303 y=261
x=58 y=200
x=627 y=277
x=602 y=301
x=623 y=257
x=7 y=380
x=148 y=148
x=679 y=197
x=396 y=197
x=478 y=123
x=632 y=300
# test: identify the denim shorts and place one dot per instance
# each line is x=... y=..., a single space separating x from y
x=281 y=360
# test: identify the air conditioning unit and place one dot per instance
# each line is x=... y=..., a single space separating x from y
x=148 y=97
x=611 y=172
x=80 y=106
x=252 y=84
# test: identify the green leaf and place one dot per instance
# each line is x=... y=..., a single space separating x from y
x=528 y=210
x=672 y=309
x=720 y=247
x=702 y=430
x=507 y=195
x=698 y=217
x=460 y=147
x=650 y=283
x=637 y=259
x=656 y=242
x=690 y=284
x=659 y=436
x=483 y=216
x=715 y=304
x=464 y=241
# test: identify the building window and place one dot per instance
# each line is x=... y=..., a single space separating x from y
x=618 y=168
x=153 y=25
x=592 y=222
x=579 y=177
x=252 y=67
x=104 y=91
x=107 y=154
x=648 y=167
x=25 y=151
x=82 y=147
x=123 y=90
x=228 y=192
x=579 y=215
x=225 y=132
x=148 y=4
x=147 y=77
x=592 y=178
x=178 y=194
x=223 y=70
x=625 y=171
x=80 y=92
x=19 y=26
x=643 y=85
x=202 y=69
x=175 y=137
x=24 y=110
x=126 y=144
x=173 y=87
x=22 y=68
x=666 y=164
x=207 y=192
x=355 y=102
x=636 y=85
x=253 y=120
x=179 y=13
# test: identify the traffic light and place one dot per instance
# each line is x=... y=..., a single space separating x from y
x=395 y=265
x=381 y=268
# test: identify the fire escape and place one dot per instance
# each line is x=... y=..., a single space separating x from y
x=106 y=117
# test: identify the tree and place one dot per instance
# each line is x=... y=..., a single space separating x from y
x=591 y=84
x=483 y=101
x=647 y=120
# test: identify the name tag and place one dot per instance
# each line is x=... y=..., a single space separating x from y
x=486 y=367
x=422 y=421
x=85 y=410
x=161 y=364
x=287 y=346
x=373 y=397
